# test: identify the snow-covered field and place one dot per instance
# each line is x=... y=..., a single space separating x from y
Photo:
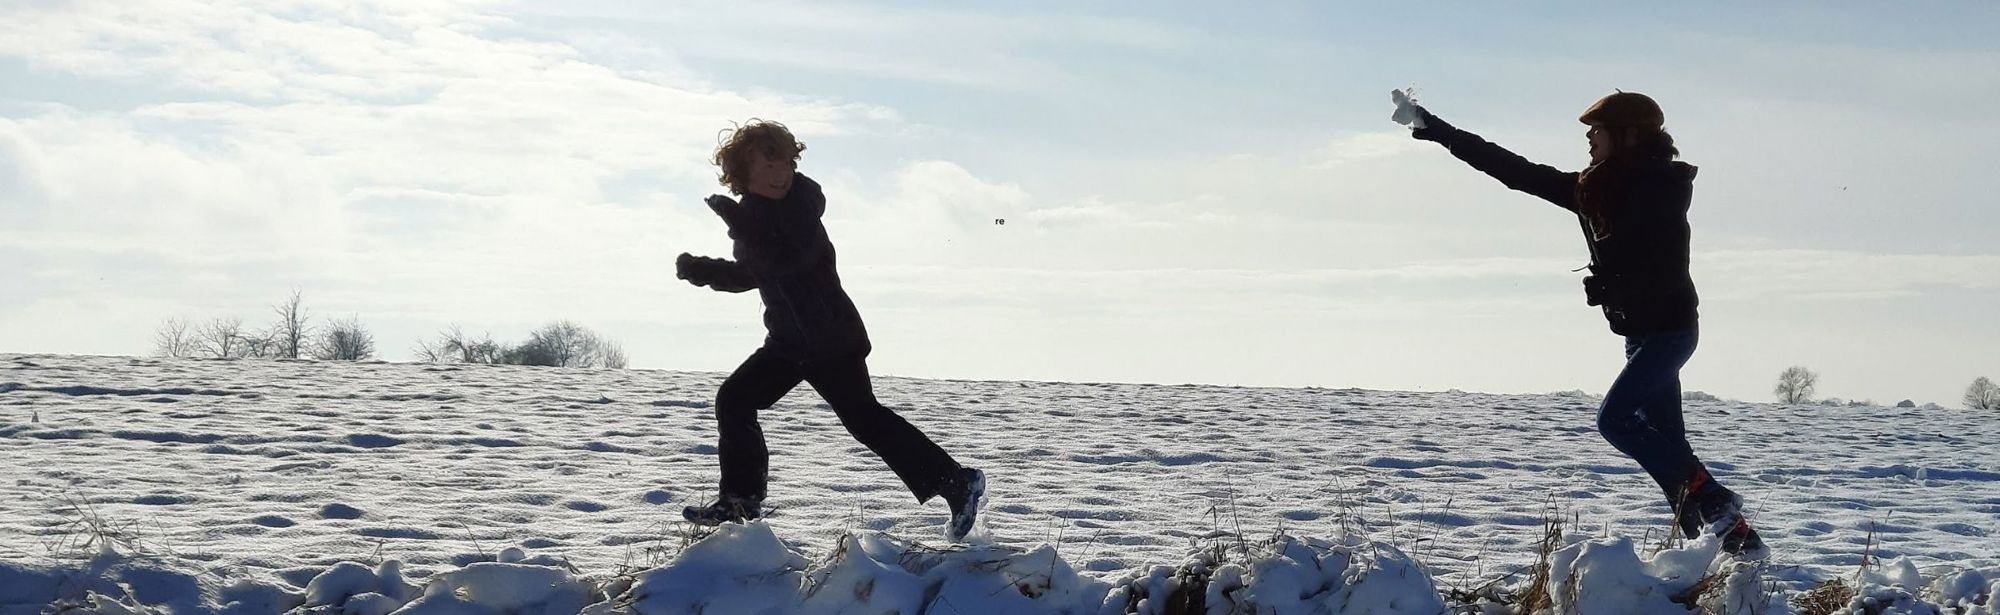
x=234 y=484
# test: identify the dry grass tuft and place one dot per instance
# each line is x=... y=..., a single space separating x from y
x=1829 y=597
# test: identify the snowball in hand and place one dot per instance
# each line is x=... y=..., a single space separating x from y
x=1406 y=109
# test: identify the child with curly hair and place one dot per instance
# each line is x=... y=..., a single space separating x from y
x=814 y=335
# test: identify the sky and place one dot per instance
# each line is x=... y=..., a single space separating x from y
x=1193 y=192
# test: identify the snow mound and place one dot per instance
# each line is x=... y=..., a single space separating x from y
x=514 y=585
x=1968 y=591
x=748 y=569
x=115 y=584
x=1283 y=576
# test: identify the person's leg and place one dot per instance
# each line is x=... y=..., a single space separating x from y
x=762 y=380
x=1663 y=415
x=1663 y=412
x=924 y=467
x=1648 y=390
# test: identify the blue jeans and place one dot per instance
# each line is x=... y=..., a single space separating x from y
x=1641 y=415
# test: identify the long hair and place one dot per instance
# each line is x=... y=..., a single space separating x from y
x=742 y=144
x=1603 y=182
x=1652 y=142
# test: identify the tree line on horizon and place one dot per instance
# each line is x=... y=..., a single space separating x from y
x=297 y=334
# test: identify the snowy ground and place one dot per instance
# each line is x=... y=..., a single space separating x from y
x=277 y=471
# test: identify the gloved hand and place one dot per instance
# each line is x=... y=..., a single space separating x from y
x=717 y=274
x=1435 y=130
x=726 y=208
x=697 y=270
x=719 y=202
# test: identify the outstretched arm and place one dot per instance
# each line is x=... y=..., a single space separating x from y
x=719 y=274
x=1548 y=183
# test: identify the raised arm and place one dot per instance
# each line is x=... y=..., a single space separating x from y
x=1544 y=181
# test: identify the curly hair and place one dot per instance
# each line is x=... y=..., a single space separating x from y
x=740 y=146
x=1659 y=141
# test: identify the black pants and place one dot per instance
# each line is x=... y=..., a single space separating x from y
x=765 y=378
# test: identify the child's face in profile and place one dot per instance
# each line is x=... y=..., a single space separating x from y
x=771 y=176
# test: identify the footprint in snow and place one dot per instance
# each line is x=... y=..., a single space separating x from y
x=338 y=510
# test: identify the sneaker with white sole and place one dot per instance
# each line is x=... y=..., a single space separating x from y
x=965 y=496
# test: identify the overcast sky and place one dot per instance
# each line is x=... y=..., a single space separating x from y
x=1194 y=191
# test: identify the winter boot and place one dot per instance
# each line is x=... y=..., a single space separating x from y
x=1721 y=513
x=726 y=509
x=1698 y=500
x=1742 y=540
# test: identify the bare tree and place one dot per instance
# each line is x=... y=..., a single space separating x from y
x=1795 y=385
x=291 y=334
x=431 y=351
x=175 y=340
x=223 y=338
x=455 y=346
x=345 y=340
x=614 y=355
x=566 y=344
x=259 y=345
x=1982 y=395
x=558 y=344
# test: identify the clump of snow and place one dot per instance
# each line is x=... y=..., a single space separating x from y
x=1282 y=576
x=1607 y=576
x=112 y=583
x=998 y=580
x=1406 y=113
x=1879 y=600
x=1969 y=591
x=515 y=585
x=738 y=569
x=863 y=575
x=348 y=580
x=496 y=588
x=746 y=569
x=1611 y=576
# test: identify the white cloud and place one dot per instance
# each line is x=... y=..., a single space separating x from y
x=405 y=159
x=1813 y=275
x=526 y=123
x=981 y=49
x=23 y=170
x=1369 y=145
x=108 y=182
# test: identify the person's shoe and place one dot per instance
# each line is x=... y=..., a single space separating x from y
x=1716 y=507
x=1741 y=540
x=726 y=509
x=1721 y=513
x=1701 y=503
x=965 y=496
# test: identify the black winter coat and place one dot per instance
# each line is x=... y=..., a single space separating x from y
x=1643 y=263
x=782 y=250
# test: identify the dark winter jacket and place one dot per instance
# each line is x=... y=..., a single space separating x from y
x=1641 y=261
x=782 y=251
